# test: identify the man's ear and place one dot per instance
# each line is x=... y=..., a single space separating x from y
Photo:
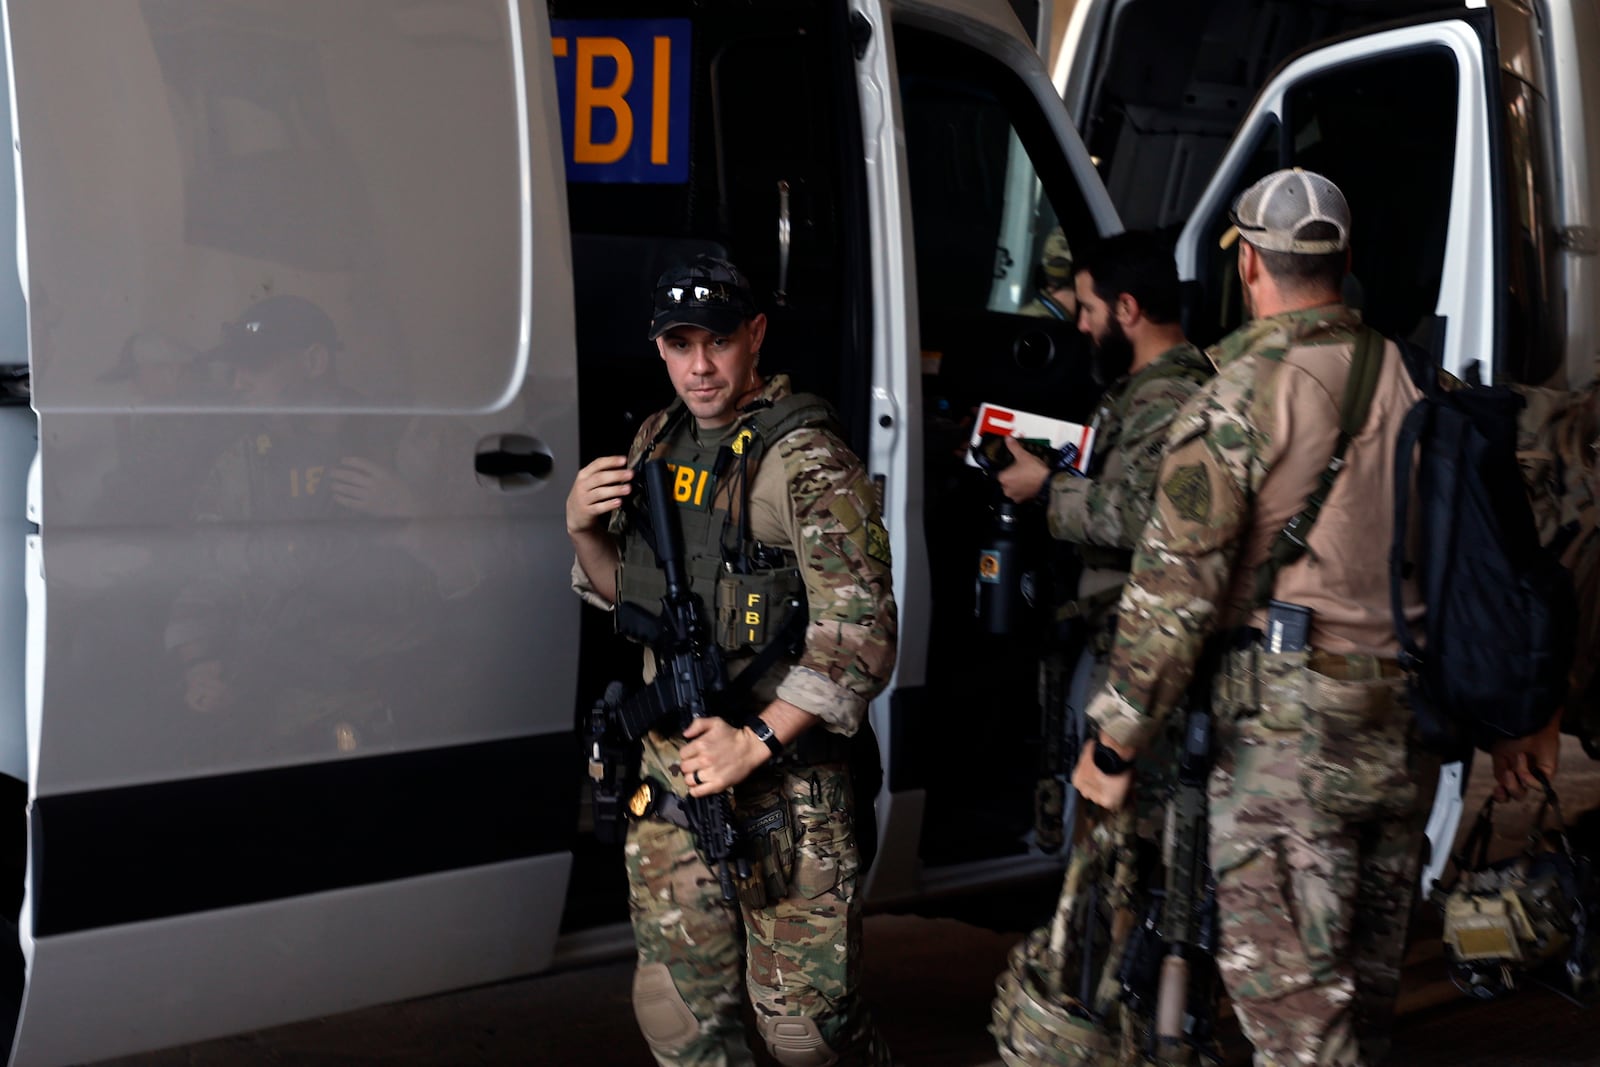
x=1127 y=310
x=1249 y=263
x=758 y=332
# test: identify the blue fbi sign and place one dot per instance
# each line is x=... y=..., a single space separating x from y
x=623 y=88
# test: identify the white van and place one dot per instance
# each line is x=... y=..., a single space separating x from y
x=295 y=670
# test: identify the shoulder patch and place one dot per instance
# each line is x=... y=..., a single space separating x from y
x=878 y=542
x=1189 y=490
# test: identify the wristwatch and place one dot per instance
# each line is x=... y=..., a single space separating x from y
x=758 y=726
x=1108 y=762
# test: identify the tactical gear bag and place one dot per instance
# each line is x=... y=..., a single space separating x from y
x=1492 y=661
x=1529 y=916
x=1060 y=1001
x=1049 y=1009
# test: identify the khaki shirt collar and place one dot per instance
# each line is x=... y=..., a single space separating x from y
x=1284 y=330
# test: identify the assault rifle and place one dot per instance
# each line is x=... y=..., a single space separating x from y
x=1188 y=908
x=689 y=672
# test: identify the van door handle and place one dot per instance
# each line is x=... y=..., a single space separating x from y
x=511 y=461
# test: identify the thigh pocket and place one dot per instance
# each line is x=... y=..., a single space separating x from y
x=825 y=853
x=1353 y=748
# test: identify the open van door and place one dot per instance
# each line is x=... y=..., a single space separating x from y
x=981 y=164
x=301 y=654
x=1406 y=122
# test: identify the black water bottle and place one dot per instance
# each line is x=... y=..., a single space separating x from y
x=1000 y=602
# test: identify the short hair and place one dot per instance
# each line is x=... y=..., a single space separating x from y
x=1299 y=273
x=1140 y=264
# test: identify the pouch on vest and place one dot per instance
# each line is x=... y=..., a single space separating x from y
x=1354 y=742
x=752 y=608
x=1266 y=686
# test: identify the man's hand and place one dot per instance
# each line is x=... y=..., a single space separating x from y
x=205 y=689
x=599 y=489
x=371 y=489
x=1515 y=760
x=1026 y=476
x=1097 y=787
x=718 y=756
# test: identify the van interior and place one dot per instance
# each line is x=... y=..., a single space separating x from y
x=772 y=104
x=1173 y=79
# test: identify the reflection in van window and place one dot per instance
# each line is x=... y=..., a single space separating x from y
x=981 y=214
x=1532 y=350
x=252 y=151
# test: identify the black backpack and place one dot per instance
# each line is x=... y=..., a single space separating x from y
x=1498 y=636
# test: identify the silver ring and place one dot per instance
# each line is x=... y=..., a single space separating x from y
x=697 y=780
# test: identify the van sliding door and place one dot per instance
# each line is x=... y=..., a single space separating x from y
x=302 y=649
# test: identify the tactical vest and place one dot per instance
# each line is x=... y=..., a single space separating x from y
x=749 y=590
x=1100 y=557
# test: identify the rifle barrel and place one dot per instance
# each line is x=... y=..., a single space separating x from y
x=664 y=525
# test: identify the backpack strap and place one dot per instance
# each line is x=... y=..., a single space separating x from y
x=1425 y=376
x=1290 y=544
x=765 y=423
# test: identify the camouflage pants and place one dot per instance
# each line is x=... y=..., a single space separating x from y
x=1314 y=908
x=799 y=959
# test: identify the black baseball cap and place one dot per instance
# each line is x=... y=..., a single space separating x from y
x=707 y=292
x=273 y=326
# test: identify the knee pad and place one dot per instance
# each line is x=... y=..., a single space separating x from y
x=795 y=1041
x=665 y=1020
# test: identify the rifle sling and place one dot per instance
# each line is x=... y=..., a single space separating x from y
x=1290 y=544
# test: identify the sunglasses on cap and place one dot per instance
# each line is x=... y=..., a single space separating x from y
x=701 y=291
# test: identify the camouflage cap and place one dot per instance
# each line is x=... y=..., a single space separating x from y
x=273 y=326
x=1273 y=214
x=707 y=292
x=1055 y=258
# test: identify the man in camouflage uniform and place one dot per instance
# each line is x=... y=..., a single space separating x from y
x=1314 y=885
x=268 y=637
x=1054 y=297
x=810 y=508
x=1128 y=300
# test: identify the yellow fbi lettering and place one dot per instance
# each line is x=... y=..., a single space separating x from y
x=689 y=484
x=752 y=617
x=305 y=482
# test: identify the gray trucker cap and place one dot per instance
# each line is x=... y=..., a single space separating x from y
x=1274 y=212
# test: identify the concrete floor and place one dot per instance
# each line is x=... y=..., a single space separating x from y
x=929 y=981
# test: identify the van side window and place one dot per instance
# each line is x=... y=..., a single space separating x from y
x=980 y=205
x=298 y=153
x=1384 y=131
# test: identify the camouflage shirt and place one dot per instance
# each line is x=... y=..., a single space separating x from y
x=1110 y=507
x=812 y=496
x=1217 y=456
